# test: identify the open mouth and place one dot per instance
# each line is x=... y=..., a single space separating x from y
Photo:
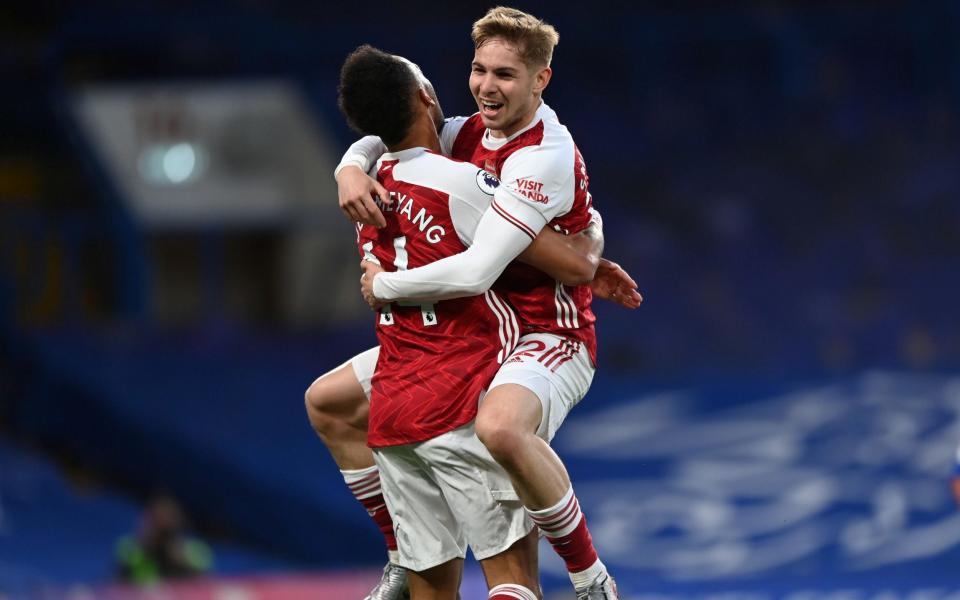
x=490 y=109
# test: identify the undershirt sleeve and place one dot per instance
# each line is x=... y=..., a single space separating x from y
x=363 y=153
x=496 y=242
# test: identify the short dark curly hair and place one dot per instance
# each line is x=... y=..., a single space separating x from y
x=375 y=94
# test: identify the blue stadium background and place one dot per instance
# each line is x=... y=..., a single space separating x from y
x=779 y=419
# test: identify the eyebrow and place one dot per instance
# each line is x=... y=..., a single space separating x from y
x=507 y=70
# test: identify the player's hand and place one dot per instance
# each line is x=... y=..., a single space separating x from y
x=614 y=284
x=356 y=192
x=370 y=271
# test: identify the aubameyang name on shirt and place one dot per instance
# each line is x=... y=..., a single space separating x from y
x=403 y=205
x=532 y=190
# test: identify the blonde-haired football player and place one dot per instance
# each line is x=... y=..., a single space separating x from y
x=544 y=184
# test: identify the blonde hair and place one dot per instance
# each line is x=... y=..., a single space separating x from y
x=533 y=38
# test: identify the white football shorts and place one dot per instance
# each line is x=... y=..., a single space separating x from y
x=557 y=369
x=364 y=365
x=448 y=493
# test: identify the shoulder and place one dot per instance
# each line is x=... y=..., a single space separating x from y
x=547 y=146
x=550 y=159
x=455 y=178
x=471 y=124
x=462 y=134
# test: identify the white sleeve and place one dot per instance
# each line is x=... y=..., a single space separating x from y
x=362 y=153
x=469 y=202
x=496 y=243
x=466 y=212
x=448 y=135
x=537 y=185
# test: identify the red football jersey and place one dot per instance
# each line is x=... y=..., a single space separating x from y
x=436 y=360
x=541 y=167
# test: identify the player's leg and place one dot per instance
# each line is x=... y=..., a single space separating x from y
x=431 y=542
x=438 y=583
x=506 y=424
x=481 y=498
x=527 y=402
x=337 y=406
x=513 y=574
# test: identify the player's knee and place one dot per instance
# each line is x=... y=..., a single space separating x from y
x=502 y=438
x=319 y=403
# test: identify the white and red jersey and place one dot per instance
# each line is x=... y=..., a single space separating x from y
x=436 y=359
x=544 y=183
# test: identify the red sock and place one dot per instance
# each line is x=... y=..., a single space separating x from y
x=365 y=486
x=566 y=529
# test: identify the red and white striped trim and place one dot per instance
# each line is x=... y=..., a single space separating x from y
x=513 y=220
x=561 y=520
x=512 y=591
x=363 y=484
x=509 y=329
x=566 y=308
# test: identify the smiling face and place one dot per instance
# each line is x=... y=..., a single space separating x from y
x=506 y=89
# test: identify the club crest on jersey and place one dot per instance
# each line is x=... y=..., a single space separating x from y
x=487 y=182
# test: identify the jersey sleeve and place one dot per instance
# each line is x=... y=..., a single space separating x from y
x=362 y=153
x=537 y=185
x=496 y=243
x=448 y=135
x=470 y=199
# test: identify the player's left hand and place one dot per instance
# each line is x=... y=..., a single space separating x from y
x=370 y=271
x=612 y=283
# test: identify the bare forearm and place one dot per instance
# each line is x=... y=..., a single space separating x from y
x=570 y=259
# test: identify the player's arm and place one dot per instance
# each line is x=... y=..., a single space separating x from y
x=570 y=259
x=506 y=228
x=496 y=243
x=357 y=191
x=576 y=260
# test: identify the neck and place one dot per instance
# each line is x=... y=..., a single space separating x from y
x=422 y=134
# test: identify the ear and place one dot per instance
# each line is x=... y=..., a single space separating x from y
x=541 y=79
x=425 y=98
